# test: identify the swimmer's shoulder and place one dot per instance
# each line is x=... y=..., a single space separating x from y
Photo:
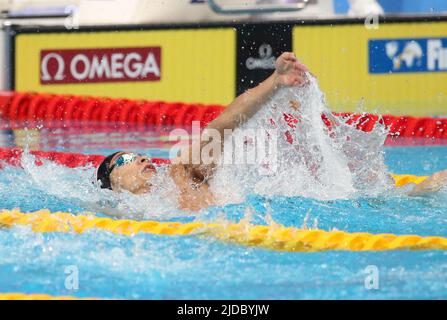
x=176 y=169
x=179 y=173
x=186 y=173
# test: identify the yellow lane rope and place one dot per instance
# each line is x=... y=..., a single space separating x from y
x=24 y=296
x=276 y=237
x=272 y=237
x=402 y=179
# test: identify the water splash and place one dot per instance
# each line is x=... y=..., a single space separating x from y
x=314 y=161
x=78 y=186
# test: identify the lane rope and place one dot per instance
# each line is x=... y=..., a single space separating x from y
x=62 y=111
x=275 y=236
x=25 y=296
x=12 y=156
x=401 y=180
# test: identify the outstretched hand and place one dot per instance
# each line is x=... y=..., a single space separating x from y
x=289 y=71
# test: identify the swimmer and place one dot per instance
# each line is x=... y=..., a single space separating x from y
x=128 y=171
x=132 y=172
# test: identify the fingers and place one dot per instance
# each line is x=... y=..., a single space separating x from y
x=288 y=65
x=288 y=56
x=299 y=81
x=301 y=67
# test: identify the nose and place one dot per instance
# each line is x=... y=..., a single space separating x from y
x=144 y=159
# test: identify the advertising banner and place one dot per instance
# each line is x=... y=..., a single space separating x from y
x=188 y=65
x=397 y=68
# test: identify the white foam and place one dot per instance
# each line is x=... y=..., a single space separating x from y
x=345 y=163
x=78 y=186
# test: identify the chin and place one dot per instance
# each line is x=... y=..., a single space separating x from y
x=145 y=177
x=147 y=174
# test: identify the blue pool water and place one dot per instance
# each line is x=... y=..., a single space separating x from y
x=163 y=267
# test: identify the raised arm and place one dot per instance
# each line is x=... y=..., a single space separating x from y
x=288 y=72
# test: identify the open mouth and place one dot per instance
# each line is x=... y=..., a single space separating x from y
x=149 y=168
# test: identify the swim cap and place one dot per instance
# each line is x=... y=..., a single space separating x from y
x=104 y=170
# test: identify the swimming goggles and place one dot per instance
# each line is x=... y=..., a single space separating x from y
x=124 y=159
x=106 y=167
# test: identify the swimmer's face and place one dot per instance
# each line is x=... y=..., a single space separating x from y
x=131 y=172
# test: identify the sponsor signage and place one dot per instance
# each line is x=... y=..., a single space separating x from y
x=407 y=55
x=100 y=65
x=176 y=64
x=399 y=68
x=258 y=48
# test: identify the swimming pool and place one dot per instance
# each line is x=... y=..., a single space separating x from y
x=186 y=267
